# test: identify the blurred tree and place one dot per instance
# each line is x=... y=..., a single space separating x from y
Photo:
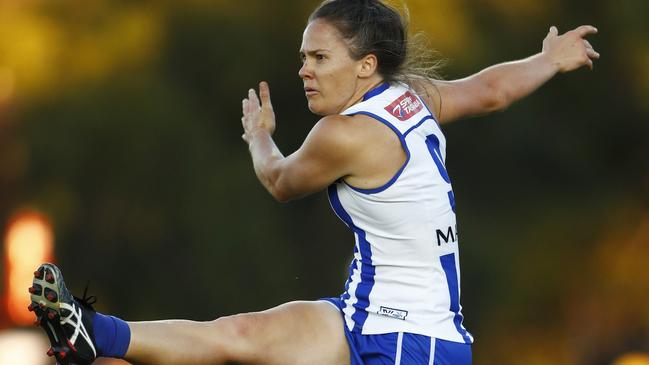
x=120 y=120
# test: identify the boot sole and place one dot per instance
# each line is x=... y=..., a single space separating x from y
x=47 y=292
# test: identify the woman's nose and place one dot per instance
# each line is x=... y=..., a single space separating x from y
x=305 y=71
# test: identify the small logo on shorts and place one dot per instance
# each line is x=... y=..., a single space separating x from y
x=394 y=313
x=405 y=106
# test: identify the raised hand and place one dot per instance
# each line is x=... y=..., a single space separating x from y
x=257 y=116
x=570 y=50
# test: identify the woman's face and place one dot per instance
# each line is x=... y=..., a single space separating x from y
x=329 y=73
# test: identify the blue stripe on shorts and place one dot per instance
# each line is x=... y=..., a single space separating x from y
x=402 y=348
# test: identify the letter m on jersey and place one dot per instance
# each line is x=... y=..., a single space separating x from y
x=405 y=106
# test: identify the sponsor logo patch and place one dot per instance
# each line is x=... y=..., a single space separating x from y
x=405 y=106
x=394 y=313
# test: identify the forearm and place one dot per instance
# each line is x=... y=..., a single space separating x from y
x=510 y=81
x=265 y=158
x=496 y=87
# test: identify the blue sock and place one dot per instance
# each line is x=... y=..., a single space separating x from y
x=112 y=335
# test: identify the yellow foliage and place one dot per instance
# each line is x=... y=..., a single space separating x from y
x=445 y=23
x=30 y=47
x=41 y=54
x=130 y=38
x=521 y=12
x=633 y=359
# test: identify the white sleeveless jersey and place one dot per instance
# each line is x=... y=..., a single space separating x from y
x=405 y=273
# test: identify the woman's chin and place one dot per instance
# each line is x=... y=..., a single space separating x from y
x=321 y=110
x=316 y=109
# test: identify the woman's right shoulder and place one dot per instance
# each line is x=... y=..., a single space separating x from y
x=334 y=132
x=345 y=131
x=338 y=126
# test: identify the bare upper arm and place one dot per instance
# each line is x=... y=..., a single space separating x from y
x=456 y=99
x=358 y=149
x=325 y=156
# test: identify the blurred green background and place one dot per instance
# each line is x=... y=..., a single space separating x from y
x=120 y=122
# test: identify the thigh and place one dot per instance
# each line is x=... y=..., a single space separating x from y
x=300 y=333
x=297 y=333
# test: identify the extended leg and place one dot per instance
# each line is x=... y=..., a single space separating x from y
x=309 y=333
x=293 y=333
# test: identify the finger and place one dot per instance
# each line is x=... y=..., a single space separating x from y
x=553 y=31
x=589 y=63
x=590 y=51
x=592 y=54
x=252 y=95
x=585 y=30
x=264 y=94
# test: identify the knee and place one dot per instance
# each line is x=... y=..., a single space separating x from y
x=241 y=327
x=239 y=334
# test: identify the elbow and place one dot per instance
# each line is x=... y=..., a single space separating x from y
x=497 y=100
x=279 y=195
x=279 y=191
x=271 y=179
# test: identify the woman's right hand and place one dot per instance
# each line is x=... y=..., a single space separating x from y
x=257 y=116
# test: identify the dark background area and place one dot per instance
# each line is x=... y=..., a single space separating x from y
x=121 y=124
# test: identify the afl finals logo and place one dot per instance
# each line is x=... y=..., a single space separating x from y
x=405 y=106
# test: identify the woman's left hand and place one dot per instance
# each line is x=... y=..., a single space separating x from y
x=570 y=50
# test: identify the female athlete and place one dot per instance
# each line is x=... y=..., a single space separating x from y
x=379 y=151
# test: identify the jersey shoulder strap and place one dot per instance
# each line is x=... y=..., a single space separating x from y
x=396 y=105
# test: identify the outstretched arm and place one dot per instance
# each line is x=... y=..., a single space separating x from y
x=496 y=87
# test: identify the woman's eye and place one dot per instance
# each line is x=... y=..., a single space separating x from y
x=319 y=57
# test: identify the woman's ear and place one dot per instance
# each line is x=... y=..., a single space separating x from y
x=368 y=66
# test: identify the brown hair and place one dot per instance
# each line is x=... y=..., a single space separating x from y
x=374 y=27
